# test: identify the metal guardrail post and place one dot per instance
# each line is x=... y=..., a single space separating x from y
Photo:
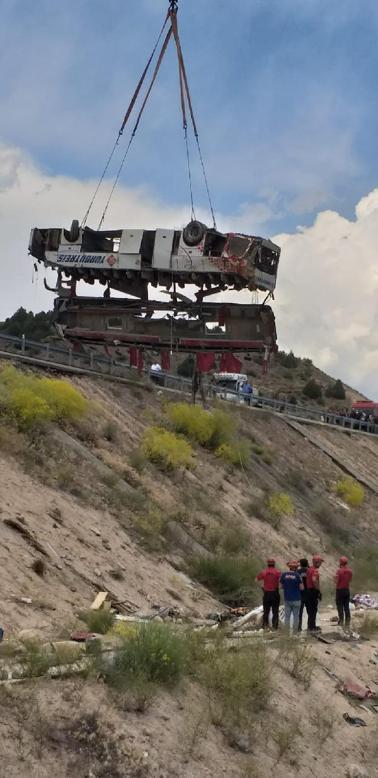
x=23 y=343
x=70 y=356
x=91 y=360
x=48 y=351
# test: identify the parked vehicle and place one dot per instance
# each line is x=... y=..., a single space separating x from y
x=229 y=386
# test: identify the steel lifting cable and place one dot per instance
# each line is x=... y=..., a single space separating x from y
x=157 y=68
x=184 y=85
x=125 y=119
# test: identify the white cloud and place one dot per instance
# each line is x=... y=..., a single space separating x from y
x=326 y=300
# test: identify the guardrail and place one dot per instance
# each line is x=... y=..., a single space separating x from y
x=114 y=367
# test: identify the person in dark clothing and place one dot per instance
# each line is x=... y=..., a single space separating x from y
x=270 y=577
x=343 y=577
x=302 y=570
x=313 y=592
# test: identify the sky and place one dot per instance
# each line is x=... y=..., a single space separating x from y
x=284 y=93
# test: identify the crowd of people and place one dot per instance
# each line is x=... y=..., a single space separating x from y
x=300 y=586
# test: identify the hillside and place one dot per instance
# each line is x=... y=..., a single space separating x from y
x=83 y=497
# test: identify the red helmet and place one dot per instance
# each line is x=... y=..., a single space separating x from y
x=270 y=562
x=343 y=560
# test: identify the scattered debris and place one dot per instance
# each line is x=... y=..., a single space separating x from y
x=81 y=636
x=100 y=601
x=365 y=601
x=96 y=531
x=356 y=690
x=355 y=721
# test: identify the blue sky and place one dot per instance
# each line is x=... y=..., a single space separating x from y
x=285 y=98
x=284 y=91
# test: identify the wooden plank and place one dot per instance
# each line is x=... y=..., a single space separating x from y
x=99 y=601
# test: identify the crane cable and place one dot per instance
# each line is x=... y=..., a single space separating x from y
x=125 y=119
x=185 y=98
x=123 y=160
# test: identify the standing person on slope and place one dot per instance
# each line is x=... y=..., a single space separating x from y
x=343 y=577
x=313 y=592
x=292 y=586
x=302 y=570
x=270 y=577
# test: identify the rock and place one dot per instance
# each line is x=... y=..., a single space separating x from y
x=357 y=771
x=95 y=530
x=106 y=545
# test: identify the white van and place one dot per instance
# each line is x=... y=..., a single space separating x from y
x=227 y=386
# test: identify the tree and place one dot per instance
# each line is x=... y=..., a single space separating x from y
x=34 y=326
x=336 y=390
x=288 y=360
x=312 y=389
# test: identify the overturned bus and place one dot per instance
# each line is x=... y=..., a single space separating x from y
x=131 y=260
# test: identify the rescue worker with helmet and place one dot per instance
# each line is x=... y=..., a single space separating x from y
x=343 y=578
x=270 y=577
x=313 y=592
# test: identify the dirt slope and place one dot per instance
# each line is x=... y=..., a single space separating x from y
x=85 y=499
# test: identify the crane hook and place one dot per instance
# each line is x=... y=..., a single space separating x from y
x=173 y=6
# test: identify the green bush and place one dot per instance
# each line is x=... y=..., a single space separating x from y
x=30 y=399
x=100 y=621
x=152 y=653
x=351 y=492
x=312 y=389
x=167 y=450
x=335 y=390
x=239 y=685
x=237 y=453
x=210 y=429
x=279 y=504
x=230 y=578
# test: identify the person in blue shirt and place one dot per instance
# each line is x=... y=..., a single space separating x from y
x=247 y=390
x=292 y=586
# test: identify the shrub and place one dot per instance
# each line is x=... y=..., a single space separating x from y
x=231 y=578
x=297 y=659
x=237 y=453
x=137 y=460
x=152 y=653
x=351 y=492
x=239 y=684
x=34 y=660
x=284 y=735
x=323 y=718
x=167 y=450
x=279 y=504
x=63 y=399
x=312 y=389
x=208 y=429
x=30 y=399
x=335 y=390
x=100 y=621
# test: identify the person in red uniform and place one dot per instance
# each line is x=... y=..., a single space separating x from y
x=270 y=577
x=343 y=577
x=313 y=592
